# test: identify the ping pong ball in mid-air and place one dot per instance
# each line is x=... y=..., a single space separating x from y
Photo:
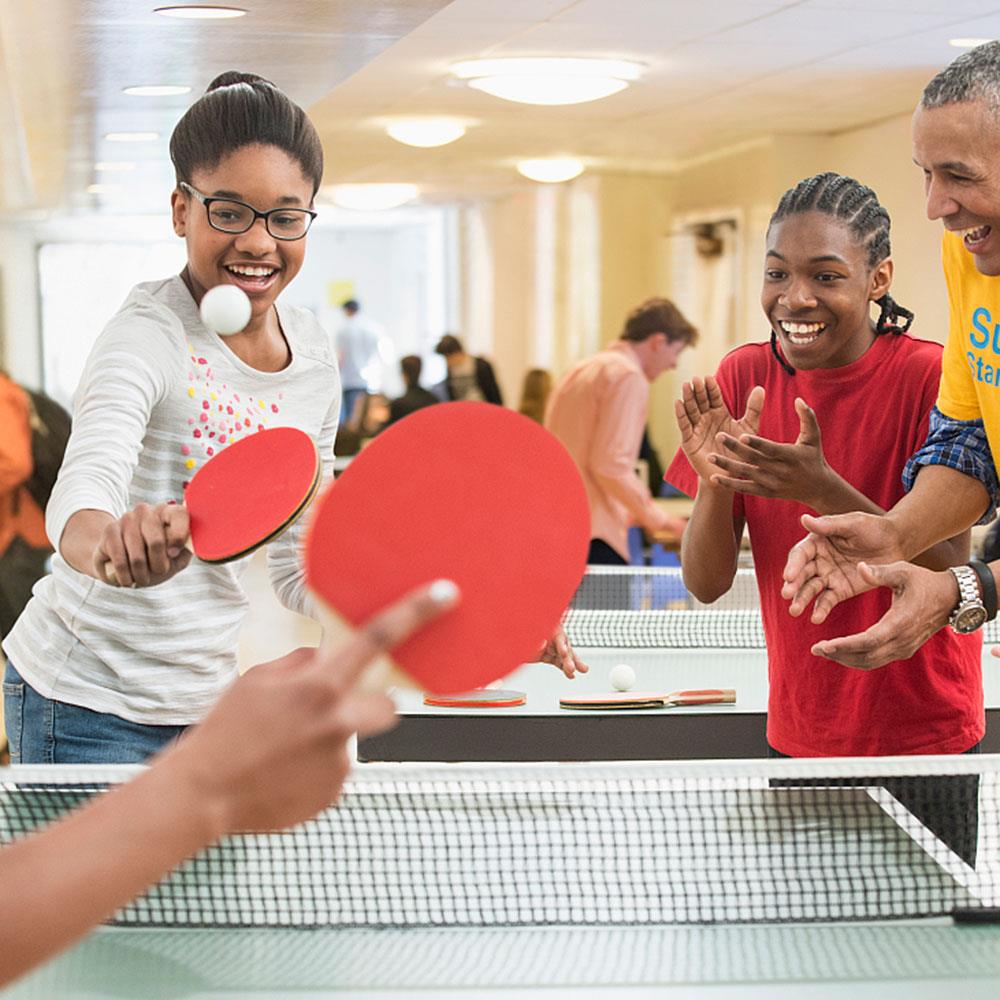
x=622 y=677
x=225 y=309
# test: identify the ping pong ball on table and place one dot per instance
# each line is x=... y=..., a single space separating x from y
x=225 y=309
x=622 y=677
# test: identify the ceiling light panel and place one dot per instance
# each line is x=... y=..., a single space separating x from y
x=371 y=197
x=552 y=81
x=425 y=132
x=553 y=170
x=200 y=12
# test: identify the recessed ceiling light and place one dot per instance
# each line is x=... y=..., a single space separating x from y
x=425 y=132
x=548 y=80
x=113 y=166
x=552 y=170
x=101 y=188
x=132 y=136
x=156 y=90
x=968 y=43
x=198 y=12
x=371 y=197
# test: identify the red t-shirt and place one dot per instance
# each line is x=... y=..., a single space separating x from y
x=873 y=415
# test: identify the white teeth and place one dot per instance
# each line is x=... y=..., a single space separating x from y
x=802 y=328
x=802 y=334
x=974 y=234
x=250 y=272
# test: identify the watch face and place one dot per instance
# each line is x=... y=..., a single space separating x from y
x=968 y=619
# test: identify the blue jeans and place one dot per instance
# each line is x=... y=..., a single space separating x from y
x=43 y=731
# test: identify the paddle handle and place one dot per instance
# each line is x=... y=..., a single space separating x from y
x=707 y=696
x=381 y=674
x=109 y=571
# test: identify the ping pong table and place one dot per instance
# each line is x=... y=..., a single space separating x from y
x=650 y=900
x=791 y=833
x=926 y=960
x=540 y=730
x=642 y=616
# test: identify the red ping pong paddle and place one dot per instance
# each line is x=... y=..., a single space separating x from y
x=635 y=699
x=469 y=492
x=248 y=494
x=484 y=698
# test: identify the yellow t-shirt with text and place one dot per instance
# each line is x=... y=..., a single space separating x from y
x=970 y=367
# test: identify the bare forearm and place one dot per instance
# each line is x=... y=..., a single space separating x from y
x=80 y=538
x=942 y=505
x=710 y=546
x=842 y=498
x=835 y=495
x=951 y=552
x=60 y=883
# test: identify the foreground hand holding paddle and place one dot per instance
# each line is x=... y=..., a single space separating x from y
x=290 y=721
x=463 y=491
x=242 y=498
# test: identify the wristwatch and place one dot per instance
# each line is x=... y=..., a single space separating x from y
x=970 y=612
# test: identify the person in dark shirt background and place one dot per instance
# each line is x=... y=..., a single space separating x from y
x=416 y=396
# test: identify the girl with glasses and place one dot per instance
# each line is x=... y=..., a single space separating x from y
x=99 y=673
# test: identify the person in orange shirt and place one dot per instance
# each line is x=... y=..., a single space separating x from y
x=291 y=719
x=24 y=546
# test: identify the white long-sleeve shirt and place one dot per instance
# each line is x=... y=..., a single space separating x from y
x=159 y=395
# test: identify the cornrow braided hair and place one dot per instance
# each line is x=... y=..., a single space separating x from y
x=858 y=207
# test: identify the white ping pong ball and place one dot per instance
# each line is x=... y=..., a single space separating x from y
x=622 y=677
x=225 y=309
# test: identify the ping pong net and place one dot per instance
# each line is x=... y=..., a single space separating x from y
x=648 y=607
x=595 y=844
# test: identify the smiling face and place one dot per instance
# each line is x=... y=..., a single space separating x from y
x=262 y=176
x=958 y=148
x=817 y=290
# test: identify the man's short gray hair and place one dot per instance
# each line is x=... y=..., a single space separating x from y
x=973 y=76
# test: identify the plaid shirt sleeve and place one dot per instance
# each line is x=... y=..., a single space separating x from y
x=961 y=445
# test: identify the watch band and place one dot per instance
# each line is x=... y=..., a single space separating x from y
x=969 y=613
x=987 y=587
x=968 y=586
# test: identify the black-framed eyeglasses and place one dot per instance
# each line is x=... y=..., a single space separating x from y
x=228 y=216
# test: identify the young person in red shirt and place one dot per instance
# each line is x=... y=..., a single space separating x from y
x=753 y=452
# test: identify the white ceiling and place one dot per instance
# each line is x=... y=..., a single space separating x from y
x=719 y=73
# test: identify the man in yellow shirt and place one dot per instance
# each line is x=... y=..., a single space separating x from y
x=952 y=479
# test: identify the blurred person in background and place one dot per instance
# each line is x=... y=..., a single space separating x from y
x=416 y=397
x=33 y=433
x=24 y=546
x=598 y=410
x=535 y=393
x=468 y=377
x=357 y=344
